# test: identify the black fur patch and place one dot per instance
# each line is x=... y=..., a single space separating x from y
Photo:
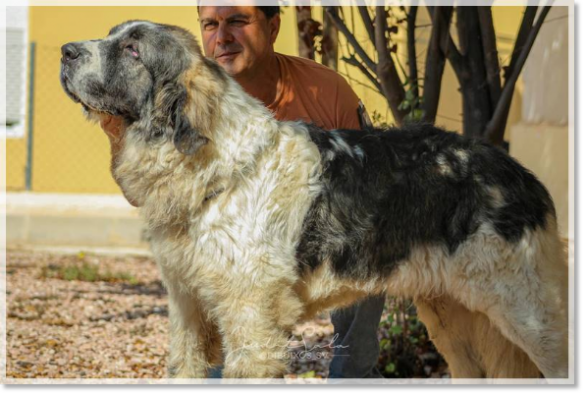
x=386 y=192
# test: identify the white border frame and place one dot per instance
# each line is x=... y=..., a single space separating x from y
x=506 y=382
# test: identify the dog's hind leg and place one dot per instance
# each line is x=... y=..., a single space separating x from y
x=470 y=344
x=448 y=331
x=539 y=336
x=526 y=298
x=194 y=337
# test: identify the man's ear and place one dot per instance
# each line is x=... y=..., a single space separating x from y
x=274 y=25
x=186 y=137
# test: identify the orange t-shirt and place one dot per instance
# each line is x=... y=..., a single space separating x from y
x=314 y=93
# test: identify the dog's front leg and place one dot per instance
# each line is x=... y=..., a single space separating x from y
x=193 y=337
x=254 y=321
x=254 y=348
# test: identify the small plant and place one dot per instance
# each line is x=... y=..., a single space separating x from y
x=378 y=120
x=405 y=348
x=81 y=270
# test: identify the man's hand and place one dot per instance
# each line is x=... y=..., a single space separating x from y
x=115 y=127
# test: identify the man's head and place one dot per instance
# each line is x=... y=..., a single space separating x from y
x=240 y=38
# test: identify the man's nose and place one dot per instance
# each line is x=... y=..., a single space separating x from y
x=223 y=34
x=70 y=51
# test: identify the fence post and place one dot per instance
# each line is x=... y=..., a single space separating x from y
x=31 y=107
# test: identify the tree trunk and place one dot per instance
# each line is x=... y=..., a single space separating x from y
x=435 y=63
x=330 y=42
x=305 y=25
x=411 y=43
x=477 y=106
x=392 y=87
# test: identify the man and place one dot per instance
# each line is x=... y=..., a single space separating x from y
x=241 y=39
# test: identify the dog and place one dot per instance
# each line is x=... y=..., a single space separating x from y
x=257 y=224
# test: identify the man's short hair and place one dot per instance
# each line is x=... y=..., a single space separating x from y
x=269 y=12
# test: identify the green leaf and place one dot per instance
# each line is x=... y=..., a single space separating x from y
x=418 y=114
x=396 y=330
x=409 y=95
x=390 y=368
x=308 y=375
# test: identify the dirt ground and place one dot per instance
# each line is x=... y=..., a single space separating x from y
x=63 y=324
x=93 y=317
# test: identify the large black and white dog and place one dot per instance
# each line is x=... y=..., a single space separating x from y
x=256 y=224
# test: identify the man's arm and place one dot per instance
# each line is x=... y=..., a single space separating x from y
x=350 y=111
x=364 y=117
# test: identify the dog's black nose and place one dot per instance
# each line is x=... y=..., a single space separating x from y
x=70 y=52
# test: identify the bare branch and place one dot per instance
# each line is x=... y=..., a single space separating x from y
x=525 y=28
x=352 y=60
x=477 y=106
x=330 y=42
x=490 y=51
x=380 y=42
x=410 y=31
x=351 y=39
x=435 y=62
x=369 y=25
x=446 y=41
x=386 y=71
x=497 y=125
x=462 y=29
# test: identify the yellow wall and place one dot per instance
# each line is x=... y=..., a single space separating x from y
x=72 y=156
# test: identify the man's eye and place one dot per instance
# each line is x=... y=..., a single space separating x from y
x=209 y=25
x=238 y=23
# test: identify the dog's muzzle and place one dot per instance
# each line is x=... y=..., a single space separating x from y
x=71 y=53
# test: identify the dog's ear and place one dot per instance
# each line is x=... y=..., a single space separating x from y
x=190 y=106
x=186 y=137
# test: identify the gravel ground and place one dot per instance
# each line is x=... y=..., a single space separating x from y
x=114 y=328
x=94 y=317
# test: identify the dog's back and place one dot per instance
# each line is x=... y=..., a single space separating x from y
x=387 y=192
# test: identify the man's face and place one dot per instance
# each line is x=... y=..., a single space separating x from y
x=238 y=38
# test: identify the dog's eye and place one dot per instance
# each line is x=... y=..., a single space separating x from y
x=133 y=50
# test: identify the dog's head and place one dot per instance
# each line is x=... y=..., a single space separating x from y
x=150 y=74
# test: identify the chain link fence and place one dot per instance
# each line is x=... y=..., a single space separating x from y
x=60 y=151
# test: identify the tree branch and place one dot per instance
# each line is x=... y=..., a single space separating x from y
x=435 y=62
x=352 y=60
x=369 y=25
x=525 y=28
x=462 y=29
x=490 y=51
x=411 y=39
x=351 y=39
x=497 y=125
x=386 y=71
x=380 y=42
x=447 y=44
x=330 y=42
